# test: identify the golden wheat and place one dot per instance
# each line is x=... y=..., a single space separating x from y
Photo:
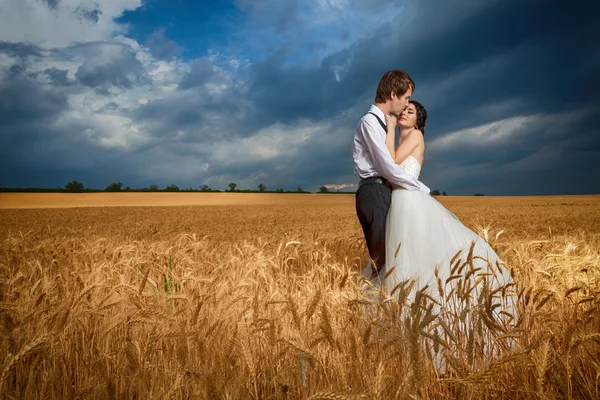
x=264 y=301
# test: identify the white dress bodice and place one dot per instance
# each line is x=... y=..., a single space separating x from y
x=411 y=166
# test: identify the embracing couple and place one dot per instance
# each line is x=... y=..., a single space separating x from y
x=409 y=234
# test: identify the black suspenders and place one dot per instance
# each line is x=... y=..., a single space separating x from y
x=380 y=122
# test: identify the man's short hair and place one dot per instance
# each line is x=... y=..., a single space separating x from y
x=397 y=81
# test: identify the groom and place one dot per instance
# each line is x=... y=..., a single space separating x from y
x=375 y=168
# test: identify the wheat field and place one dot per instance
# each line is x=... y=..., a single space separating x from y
x=257 y=296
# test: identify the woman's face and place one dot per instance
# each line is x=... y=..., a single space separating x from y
x=408 y=117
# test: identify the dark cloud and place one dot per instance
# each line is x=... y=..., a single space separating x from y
x=162 y=47
x=21 y=50
x=525 y=56
x=531 y=51
x=110 y=108
x=164 y=117
x=201 y=71
x=13 y=174
x=26 y=102
x=52 y=4
x=39 y=154
x=345 y=35
x=536 y=136
x=44 y=172
x=527 y=37
x=92 y=16
x=111 y=64
x=58 y=77
x=546 y=155
x=287 y=94
x=15 y=70
x=286 y=18
x=369 y=4
x=27 y=54
x=473 y=64
x=279 y=16
x=546 y=174
x=207 y=107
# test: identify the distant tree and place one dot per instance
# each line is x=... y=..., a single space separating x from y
x=479 y=194
x=205 y=188
x=323 y=189
x=114 y=187
x=444 y=194
x=154 y=188
x=127 y=189
x=262 y=187
x=172 y=188
x=435 y=192
x=232 y=187
x=74 y=186
x=299 y=190
x=280 y=190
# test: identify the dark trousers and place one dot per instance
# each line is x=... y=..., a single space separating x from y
x=372 y=206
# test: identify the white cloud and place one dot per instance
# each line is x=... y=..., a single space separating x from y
x=341 y=186
x=307 y=32
x=274 y=142
x=113 y=78
x=490 y=134
x=534 y=140
x=33 y=21
x=503 y=132
x=209 y=120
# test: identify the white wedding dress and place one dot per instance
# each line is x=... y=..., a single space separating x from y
x=472 y=296
x=421 y=234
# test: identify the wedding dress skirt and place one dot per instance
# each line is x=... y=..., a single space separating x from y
x=450 y=276
x=423 y=237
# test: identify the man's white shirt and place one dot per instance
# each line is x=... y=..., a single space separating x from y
x=372 y=157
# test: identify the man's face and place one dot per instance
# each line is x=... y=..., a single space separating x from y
x=399 y=103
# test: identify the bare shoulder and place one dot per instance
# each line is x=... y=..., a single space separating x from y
x=416 y=135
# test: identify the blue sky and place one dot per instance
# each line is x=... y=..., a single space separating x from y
x=191 y=27
x=269 y=91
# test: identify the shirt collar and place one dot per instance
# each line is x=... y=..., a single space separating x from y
x=377 y=111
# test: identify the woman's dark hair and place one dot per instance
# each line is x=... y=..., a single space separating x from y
x=421 y=116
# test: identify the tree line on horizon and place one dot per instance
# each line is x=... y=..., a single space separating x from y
x=79 y=187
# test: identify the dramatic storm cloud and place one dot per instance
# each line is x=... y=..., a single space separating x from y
x=269 y=91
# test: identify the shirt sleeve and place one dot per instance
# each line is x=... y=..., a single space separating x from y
x=383 y=161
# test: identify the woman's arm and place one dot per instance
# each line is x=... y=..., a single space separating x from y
x=408 y=145
x=390 y=139
x=367 y=132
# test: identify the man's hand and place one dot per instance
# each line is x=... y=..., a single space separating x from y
x=391 y=121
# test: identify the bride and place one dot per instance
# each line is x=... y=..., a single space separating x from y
x=424 y=241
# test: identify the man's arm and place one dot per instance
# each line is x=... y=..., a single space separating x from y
x=382 y=160
x=390 y=138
